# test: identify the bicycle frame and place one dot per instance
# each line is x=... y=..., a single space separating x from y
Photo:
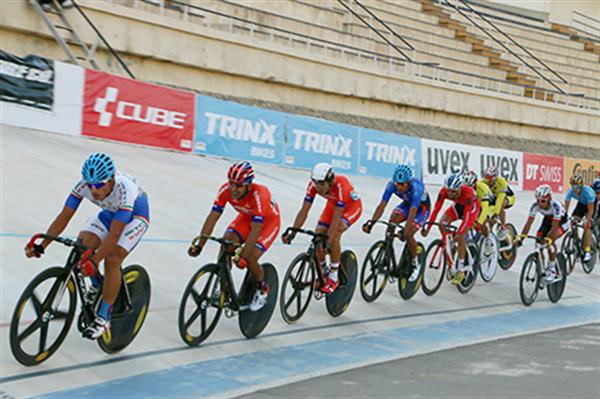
x=317 y=240
x=448 y=242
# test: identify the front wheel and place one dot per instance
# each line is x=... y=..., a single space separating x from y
x=297 y=288
x=529 y=282
x=488 y=258
x=471 y=275
x=570 y=251
x=435 y=266
x=201 y=305
x=374 y=272
x=45 y=312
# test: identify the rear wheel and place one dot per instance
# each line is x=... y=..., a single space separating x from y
x=529 y=282
x=253 y=323
x=556 y=289
x=588 y=266
x=339 y=300
x=507 y=257
x=375 y=268
x=297 y=288
x=435 y=266
x=408 y=288
x=471 y=275
x=42 y=317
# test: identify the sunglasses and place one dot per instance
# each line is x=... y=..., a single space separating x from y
x=453 y=192
x=97 y=186
x=543 y=200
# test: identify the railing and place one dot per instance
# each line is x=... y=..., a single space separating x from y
x=587 y=25
x=435 y=75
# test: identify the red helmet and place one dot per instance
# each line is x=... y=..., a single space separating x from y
x=241 y=173
x=490 y=173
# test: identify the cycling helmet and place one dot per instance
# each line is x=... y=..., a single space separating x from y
x=576 y=180
x=402 y=174
x=241 y=173
x=470 y=178
x=454 y=181
x=97 y=168
x=322 y=172
x=491 y=172
x=543 y=191
x=596 y=185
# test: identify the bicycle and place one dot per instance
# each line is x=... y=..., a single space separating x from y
x=507 y=252
x=380 y=261
x=572 y=247
x=305 y=277
x=212 y=290
x=128 y=315
x=439 y=258
x=534 y=270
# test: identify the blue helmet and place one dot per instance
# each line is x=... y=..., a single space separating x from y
x=402 y=174
x=454 y=181
x=98 y=168
x=596 y=185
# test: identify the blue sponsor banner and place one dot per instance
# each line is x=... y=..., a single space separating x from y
x=310 y=141
x=380 y=152
x=238 y=131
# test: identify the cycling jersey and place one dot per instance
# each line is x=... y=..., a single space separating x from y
x=257 y=203
x=416 y=195
x=342 y=192
x=586 y=195
x=470 y=206
x=500 y=190
x=556 y=210
x=484 y=195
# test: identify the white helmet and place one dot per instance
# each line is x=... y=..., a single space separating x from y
x=543 y=191
x=322 y=172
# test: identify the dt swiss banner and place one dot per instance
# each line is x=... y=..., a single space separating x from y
x=542 y=169
x=136 y=112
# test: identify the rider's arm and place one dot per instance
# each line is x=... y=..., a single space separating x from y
x=483 y=212
x=385 y=198
x=438 y=205
x=379 y=210
x=567 y=204
x=302 y=215
x=469 y=205
x=59 y=224
x=502 y=190
x=209 y=225
x=527 y=225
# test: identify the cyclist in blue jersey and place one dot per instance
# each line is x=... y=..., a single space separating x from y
x=596 y=188
x=414 y=209
x=584 y=210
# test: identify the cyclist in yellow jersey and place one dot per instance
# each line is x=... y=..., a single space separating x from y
x=503 y=197
x=486 y=211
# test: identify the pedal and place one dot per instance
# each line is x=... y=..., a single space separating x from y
x=230 y=313
x=318 y=295
x=391 y=280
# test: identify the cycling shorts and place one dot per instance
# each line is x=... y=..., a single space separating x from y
x=350 y=214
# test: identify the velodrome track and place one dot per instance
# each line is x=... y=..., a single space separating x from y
x=39 y=169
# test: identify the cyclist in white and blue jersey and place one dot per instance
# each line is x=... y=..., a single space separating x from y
x=414 y=209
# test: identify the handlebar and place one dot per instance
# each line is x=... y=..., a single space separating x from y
x=65 y=241
x=220 y=240
x=452 y=229
x=545 y=243
x=291 y=231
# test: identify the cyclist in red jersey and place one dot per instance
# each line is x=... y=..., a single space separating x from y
x=466 y=207
x=257 y=224
x=343 y=208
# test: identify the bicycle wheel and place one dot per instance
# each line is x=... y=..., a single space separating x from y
x=488 y=262
x=471 y=276
x=338 y=301
x=588 y=266
x=297 y=288
x=127 y=322
x=39 y=318
x=374 y=272
x=529 y=282
x=202 y=299
x=407 y=288
x=570 y=252
x=435 y=266
x=253 y=323
x=556 y=289
x=507 y=258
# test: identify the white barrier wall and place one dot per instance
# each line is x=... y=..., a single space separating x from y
x=65 y=117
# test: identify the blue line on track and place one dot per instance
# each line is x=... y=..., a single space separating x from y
x=219 y=376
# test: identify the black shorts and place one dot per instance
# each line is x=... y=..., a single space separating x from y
x=546 y=226
x=580 y=210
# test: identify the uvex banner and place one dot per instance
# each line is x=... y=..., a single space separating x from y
x=587 y=168
x=136 y=112
x=542 y=169
x=310 y=141
x=380 y=152
x=238 y=131
x=441 y=159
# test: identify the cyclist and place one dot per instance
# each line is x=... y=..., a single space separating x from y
x=256 y=225
x=112 y=234
x=484 y=195
x=553 y=225
x=596 y=188
x=584 y=210
x=343 y=209
x=502 y=198
x=414 y=209
x=466 y=207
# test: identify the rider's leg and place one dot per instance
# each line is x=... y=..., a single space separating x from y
x=112 y=275
x=320 y=251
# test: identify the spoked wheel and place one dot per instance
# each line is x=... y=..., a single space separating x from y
x=297 y=288
x=470 y=276
x=570 y=252
x=42 y=317
x=588 y=266
x=507 y=258
x=488 y=258
x=435 y=266
x=374 y=273
x=556 y=289
x=339 y=301
x=407 y=288
x=253 y=323
x=201 y=305
x=126 y=322
x=529 y=283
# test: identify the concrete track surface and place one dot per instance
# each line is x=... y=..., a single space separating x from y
x=38 y=171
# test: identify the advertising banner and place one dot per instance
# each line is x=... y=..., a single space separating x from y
x=136 y=112
x=587 y=168
x=380 y=152
x=27 y=81
x=542 y=169
x=238 y=131
x=441 y=159
x=310 y=141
